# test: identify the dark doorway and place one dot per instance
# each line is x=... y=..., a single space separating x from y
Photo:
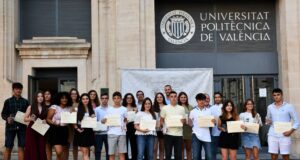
x=53 y=79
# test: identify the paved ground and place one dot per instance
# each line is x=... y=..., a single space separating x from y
x=263 y=156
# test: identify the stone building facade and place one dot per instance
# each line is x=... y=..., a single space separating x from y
x=123 y=34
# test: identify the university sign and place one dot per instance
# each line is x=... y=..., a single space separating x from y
x=178 y=27
x=216 y=27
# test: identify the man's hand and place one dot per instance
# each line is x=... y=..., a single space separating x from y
x=288 y=133
x=104 y=120
x=10 y=120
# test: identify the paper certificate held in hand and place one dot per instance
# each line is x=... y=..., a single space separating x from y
x=89 y=122
x=40 y=127
x=113 y=120
x=281 y=127
x=131 y=116
x=20 y=118
x=101 y=127
x=252 y=127
x=174 y=121
x=206 y=121
x=148 y=124
x=234 y=126
x=68 y=118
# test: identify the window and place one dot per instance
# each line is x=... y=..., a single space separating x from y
x=44 y=18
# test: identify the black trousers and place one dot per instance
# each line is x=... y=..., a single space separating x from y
x=131 y=138
x=170 y=142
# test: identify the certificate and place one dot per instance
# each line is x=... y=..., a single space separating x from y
x=281 y=127
x=40 y=127
x=20 y=118
x=206 y=121
x=252 y=127
x=101 y=127
x=148 y=124
x=234 y=126
x=113 y=120
x=68 y=118
x=131 y=116
x=174 y=121
x=89 y=122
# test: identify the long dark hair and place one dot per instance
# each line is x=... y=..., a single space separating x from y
x=124 y=101
x=59 y=96
x=77 y=93
x=233 y=111
x=156 y=106
x=151 y=108
x=81 y=109
x=187 y=99
x=253 y=110
x=35 y=105
x=96 y=101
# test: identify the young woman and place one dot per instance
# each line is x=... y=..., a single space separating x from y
x=74 y=94
x=84 y=136
x=228 y=141
x=159 y=103
x=48 y=98
x=250 y=141
x=34 y=142
x=94 y=98
x=145 y=137
x=187 y=130
x=48 y=103
x=58 y=134
x=129 y=103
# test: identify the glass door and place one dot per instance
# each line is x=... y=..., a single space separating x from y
x=256 y=87
x=232 y=88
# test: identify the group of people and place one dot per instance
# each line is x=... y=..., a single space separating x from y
x=188 y=138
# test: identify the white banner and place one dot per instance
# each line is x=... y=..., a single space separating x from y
x=151 y=81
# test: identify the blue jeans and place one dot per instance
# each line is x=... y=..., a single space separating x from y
x=197 y=147
x=99 y=140
x=214 y=146
x=145 y=141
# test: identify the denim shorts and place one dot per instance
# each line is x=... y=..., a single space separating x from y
x=250 y=140
x=10 y=137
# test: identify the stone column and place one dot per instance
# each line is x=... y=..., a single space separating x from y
x=288 y=36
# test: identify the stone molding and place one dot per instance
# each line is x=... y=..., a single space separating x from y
x=54 y=47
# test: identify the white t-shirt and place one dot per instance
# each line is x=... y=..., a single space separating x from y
x=170 y=110
x=216 y=111
x=57 y=115
x=120 y=130
x=202 y=133
x=247 y=117
x=145 y=116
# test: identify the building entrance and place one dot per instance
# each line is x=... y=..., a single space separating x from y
x=53 y=79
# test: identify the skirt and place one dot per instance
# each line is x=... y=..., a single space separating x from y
x=58 y=135
x=250 y=140
x=85 y=138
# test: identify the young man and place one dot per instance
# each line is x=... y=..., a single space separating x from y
x=116 y=135
x=140 y=98
x=11 y=107
x=101 y=136
x=201 y=135
x=280 y=111
x=216 y=110
x=173 y=136
x=167 y=89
